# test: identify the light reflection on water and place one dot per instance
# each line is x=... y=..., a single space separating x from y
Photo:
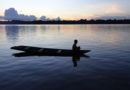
x=107 y=68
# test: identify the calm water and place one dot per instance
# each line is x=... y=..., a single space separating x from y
x=107 y=68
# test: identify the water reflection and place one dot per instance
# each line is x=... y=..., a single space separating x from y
x=50 y=27
x=75 y=58
x=20 y=33
x=44 y=28
x=52 y=35
x=109 y=65
x=2 y=34
x=58 y=28
x=27 y=31
x=12 y=33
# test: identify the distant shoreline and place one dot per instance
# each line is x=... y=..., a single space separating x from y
x=69 y=22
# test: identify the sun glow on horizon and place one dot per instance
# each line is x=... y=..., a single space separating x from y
x=3 y=20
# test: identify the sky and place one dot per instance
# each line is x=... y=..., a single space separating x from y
x=69 y=9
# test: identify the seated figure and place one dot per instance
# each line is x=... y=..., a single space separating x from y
x=75 y=48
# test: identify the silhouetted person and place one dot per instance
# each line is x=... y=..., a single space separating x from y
x=75 y=48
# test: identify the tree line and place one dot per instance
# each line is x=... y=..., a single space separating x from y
x=82 y=21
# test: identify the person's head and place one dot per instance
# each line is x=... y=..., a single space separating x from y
x=75 y=41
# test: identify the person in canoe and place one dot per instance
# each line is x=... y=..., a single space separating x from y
x=75 y=48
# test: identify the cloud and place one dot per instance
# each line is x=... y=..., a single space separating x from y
x=114 y=9
x=44 y=18
x=12 y=14
x=113 y=12
x=27 y=18
x=58 y=19
x=113 y=17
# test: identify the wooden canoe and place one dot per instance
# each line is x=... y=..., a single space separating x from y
x=48 y=51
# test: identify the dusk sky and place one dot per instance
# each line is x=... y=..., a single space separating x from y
x=68 y=9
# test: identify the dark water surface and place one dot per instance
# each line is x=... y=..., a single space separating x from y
x=108 y=67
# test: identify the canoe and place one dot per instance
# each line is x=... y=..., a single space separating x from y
x=27 y=54
x=48 y=51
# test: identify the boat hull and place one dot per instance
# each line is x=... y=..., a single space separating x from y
x=48 y=51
